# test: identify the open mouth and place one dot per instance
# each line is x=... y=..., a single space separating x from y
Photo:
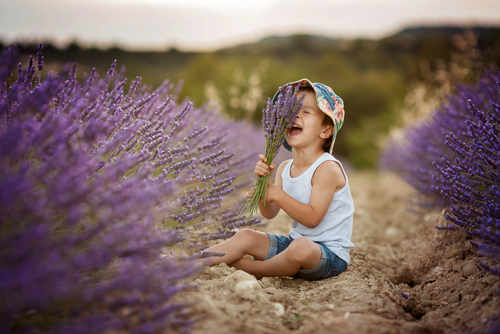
x=295 y=130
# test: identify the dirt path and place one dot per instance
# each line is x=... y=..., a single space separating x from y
x=392 y=244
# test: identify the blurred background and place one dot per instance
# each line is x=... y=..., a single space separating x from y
x=392 y=61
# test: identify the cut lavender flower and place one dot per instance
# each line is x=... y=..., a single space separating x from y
x=276 y=119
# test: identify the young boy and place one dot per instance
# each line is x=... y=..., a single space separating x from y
x=312 y=188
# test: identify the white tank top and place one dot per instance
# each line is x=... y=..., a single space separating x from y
x=335 y=229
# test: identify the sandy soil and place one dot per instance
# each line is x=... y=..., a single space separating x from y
x=396 y=252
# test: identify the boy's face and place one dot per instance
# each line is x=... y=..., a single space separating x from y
x=308 y=129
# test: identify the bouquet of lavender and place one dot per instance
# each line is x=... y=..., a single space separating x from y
x=276 y=118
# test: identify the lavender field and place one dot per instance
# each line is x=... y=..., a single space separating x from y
x=110 y=191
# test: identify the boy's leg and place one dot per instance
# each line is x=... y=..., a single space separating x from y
x=302 y=253
x=244 y=242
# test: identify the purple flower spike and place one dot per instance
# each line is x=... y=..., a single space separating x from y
x=39 y=57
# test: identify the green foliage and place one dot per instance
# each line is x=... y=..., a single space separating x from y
x=371 y=76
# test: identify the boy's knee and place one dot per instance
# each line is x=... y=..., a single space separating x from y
x=247 y=240
x=303 y=250
x=246 y=235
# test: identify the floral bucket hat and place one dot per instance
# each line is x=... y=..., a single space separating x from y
x=328 y=102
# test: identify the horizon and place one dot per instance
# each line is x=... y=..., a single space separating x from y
x=63 y=47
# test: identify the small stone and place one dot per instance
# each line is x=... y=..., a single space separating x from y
x=391 y=231
x=279 y=310
x=491 y=279
x=247 y=285
x=239 y=276
x=270 y=290
x=437 y=271
x=469 y=269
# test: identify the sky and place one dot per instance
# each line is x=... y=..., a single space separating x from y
x=203 y=25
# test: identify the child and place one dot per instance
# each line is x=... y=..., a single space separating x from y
x=312 y=189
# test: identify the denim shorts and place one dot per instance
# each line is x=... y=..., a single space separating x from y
x=330 y=264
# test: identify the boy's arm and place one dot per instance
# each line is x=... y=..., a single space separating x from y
x=271 y=209
x=327 y=179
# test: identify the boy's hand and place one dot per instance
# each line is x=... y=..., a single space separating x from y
x=250 y=192
x=271 y=189
x=261 y=169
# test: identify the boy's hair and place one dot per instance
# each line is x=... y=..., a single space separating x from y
x=328 y=141
x=326 y=120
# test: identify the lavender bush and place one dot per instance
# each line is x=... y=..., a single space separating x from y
x=454 y=158
x=96 y=186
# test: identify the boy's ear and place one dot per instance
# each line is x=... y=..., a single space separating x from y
x=327 y=132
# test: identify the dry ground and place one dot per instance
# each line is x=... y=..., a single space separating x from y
x=395 y=251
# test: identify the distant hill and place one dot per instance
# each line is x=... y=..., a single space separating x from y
x=486 y=32
x=411 y=38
